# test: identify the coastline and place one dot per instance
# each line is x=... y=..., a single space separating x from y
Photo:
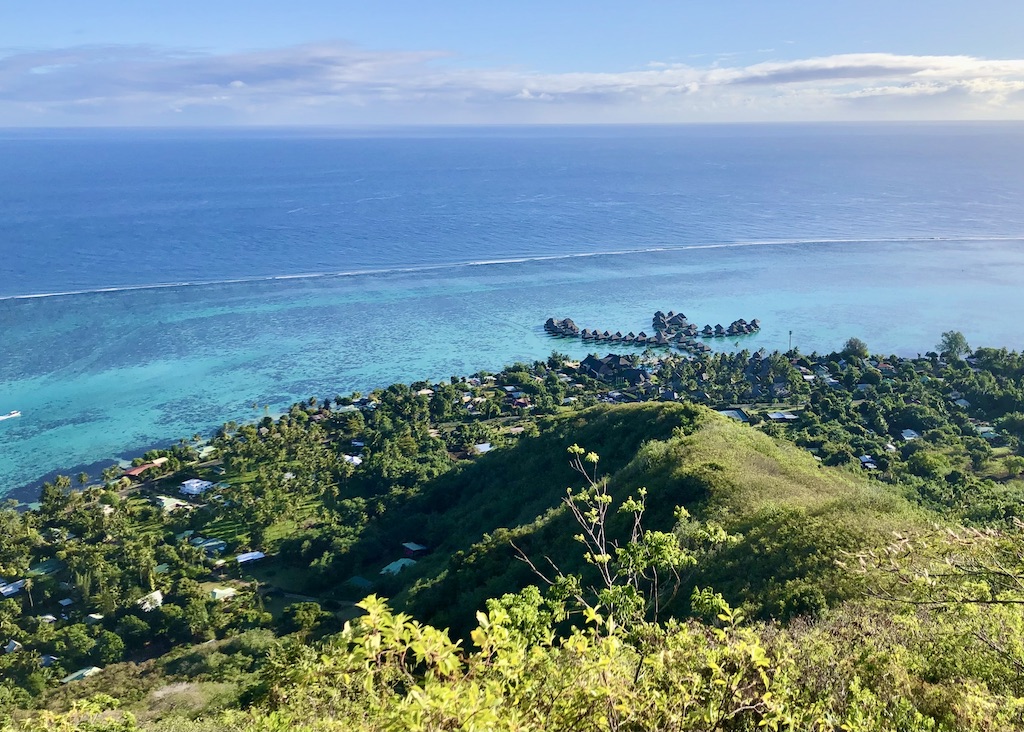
x=141 y=368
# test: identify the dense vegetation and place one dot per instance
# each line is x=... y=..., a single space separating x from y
x=847 y=558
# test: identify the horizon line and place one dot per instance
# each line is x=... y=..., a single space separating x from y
x=515 y=125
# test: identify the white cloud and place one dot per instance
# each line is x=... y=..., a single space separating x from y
x=336 y=83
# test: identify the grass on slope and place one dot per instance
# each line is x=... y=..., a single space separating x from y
x=795 y=517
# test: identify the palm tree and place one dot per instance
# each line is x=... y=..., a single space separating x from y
x=112 y=473
x=83 y=478
x=28 y=591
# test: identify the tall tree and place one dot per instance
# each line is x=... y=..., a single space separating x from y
x=954 y=344
x=855 y=347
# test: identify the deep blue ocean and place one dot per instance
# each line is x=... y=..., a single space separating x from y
x=155 y=284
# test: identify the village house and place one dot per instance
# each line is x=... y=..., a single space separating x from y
x=82 y=673
x=151 y=601
x=195 y=487
x=397 y=566
x=412 y=549
x=247 y=557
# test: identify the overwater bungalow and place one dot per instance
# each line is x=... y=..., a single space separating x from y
x=669 y=329
x=564 y=327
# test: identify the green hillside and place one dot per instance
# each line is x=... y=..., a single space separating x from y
x=844 y=664
x=727 y=578
x=793 y=517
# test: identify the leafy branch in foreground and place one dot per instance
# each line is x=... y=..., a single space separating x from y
x=974 y=577
x=385 y=671
x=637 y=577
x=947 y=566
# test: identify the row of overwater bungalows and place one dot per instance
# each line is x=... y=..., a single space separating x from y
x=671 y=329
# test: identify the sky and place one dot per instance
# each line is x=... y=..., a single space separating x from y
x=397 y=62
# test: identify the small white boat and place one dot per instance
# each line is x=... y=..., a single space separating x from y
x=10 y=415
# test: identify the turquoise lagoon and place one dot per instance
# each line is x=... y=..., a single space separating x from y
x=129 y=369
x=891 y=232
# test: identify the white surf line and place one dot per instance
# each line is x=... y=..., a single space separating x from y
x=510 y=260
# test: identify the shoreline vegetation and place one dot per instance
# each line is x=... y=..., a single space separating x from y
x=766 y=525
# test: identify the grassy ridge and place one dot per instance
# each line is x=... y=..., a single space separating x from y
x=794 y=517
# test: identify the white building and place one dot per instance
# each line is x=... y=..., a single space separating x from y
x=12 y=588
x=222 y=593
x=195 y=487
x=151 y=601
x=249 y=557
x=397 y=566
x=82 y=673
